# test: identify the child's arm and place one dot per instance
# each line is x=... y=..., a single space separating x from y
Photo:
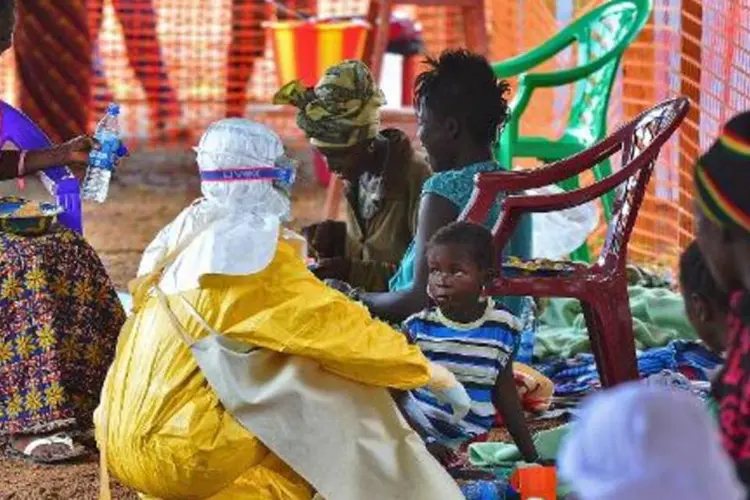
x=421 y=426
x=401 y=398
x=508 y=403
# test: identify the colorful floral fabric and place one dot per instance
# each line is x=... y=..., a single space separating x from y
x=484 y=489
x=732 y=389
x=59 y=322
x=578 y=375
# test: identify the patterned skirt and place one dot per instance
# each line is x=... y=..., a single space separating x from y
x=59 y=322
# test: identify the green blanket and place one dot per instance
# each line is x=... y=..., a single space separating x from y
x=494 y=454
x=658 y=318
x=491 y=455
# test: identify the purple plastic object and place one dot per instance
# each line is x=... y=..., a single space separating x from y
x=18 y=128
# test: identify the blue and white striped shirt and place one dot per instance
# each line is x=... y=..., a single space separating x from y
x=475 y=353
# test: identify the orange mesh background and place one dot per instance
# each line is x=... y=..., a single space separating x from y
x=177 y=65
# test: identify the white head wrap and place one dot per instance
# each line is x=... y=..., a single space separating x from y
x=235 y=227
x=649 y=443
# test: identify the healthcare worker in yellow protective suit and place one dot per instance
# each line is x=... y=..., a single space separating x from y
x=242 y=376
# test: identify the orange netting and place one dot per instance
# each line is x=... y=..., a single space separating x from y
x=177 y=65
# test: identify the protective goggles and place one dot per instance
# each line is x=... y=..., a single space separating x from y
x=281 y=176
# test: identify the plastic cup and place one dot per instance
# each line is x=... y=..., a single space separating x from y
x=535 y=483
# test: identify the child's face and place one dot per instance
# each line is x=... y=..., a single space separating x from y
x=455 y=281
x=708 y=320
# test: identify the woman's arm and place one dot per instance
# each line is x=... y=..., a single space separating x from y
x=401 y=398
x=441 y=452
x=434 y=213
x=72 y=153
x=507 y=402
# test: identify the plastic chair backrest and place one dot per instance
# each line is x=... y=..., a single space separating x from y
x=18 y=129
x=521 y=245
x=604 y=33
x=642 y=140
x=638 y=143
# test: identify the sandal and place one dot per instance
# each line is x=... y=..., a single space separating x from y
x=87 y=439
x=62 y=449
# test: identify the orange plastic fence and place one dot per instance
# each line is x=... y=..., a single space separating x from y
x=177 y=65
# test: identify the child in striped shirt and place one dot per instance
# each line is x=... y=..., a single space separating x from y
x=470 y=335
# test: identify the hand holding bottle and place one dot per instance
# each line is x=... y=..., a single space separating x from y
x=103 y=159
x=76 y=151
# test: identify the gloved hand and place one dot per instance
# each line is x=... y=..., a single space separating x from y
x=448 y=390
x=458 y=399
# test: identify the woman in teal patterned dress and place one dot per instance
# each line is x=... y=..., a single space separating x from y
x=460 y=108
x=59 y=319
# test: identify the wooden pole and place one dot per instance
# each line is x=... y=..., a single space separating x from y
x=691 y=22
x=640 y=77
x=53 y=51
x=505 y=41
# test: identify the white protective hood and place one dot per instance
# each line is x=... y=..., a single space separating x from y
x=647 y=443
x=234 y=229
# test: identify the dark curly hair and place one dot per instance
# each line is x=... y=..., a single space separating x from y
x=461 y=84
x=695 y=277
x=475 y=238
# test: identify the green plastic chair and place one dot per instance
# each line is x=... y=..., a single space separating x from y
x=603 y=35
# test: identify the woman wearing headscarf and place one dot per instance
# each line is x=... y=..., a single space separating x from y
x=241 y=375
x=722 y=178
x=649 y=443
x=382 y=175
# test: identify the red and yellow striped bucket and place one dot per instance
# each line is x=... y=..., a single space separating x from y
x=305 y=49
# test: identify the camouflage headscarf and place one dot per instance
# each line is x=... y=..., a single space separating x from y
x=341 y=110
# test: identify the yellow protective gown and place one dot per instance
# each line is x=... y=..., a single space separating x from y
x=162 y=428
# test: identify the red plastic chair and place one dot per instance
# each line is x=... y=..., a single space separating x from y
x=602 y=286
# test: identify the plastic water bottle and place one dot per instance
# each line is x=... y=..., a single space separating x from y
x=528 y=331
x=102 y=160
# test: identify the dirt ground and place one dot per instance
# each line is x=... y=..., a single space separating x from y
x=150 y=190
